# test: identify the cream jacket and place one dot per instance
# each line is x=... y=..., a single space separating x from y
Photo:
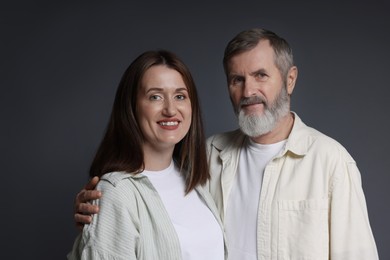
x=312 y=204
x=132 y=223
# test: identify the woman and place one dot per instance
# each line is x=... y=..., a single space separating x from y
x=152 y=165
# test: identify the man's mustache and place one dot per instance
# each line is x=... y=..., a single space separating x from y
x=252 y=101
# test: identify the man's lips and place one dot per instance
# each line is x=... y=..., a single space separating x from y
x=252 y=102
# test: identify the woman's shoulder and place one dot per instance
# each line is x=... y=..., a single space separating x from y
x=114 y=178
x=117 y=186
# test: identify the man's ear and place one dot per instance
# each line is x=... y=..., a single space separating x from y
x=292 y=76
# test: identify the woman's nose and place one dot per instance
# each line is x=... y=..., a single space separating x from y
x=169 y=108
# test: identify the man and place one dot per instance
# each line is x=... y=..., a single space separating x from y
x=283 y=189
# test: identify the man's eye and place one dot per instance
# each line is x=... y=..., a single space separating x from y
x=261 y=75
x=237 y=80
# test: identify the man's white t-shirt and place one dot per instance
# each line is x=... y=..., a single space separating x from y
x=243 y=201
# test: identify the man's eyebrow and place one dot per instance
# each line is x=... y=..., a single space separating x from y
x=258 y=71
x=234 y=75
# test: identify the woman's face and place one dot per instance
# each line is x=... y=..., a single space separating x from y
x=163 y=108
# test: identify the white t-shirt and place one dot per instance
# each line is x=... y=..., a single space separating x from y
x=243 y=201
x=199 y=233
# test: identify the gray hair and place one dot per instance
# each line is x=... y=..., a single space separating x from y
x=247 y=40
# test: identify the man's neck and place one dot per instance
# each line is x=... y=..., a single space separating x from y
x=279 y=133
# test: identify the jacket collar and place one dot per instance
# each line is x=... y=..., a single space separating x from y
x=300 y=139
x=298 y=142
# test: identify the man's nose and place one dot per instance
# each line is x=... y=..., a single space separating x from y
x=249 y=88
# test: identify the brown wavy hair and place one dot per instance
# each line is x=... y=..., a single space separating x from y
x=121 y=147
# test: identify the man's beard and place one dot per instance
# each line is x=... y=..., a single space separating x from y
x=257 y=125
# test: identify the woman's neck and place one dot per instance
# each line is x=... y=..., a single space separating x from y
x=156 y=160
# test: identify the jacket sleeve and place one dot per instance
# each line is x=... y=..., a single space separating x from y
x=113 y=233
x=351 y=237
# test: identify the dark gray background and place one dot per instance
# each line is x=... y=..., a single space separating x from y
x=61 y=62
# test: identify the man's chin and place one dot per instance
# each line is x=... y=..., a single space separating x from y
x=248 y=113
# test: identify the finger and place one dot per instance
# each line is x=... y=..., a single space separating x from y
x=81 y=219
x=88 y=195
x=87 y=209
x=92 y=183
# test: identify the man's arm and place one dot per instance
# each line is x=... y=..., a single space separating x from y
x=350 y=232
x=82 y=208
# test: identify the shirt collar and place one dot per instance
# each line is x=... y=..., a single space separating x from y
x=300 y=138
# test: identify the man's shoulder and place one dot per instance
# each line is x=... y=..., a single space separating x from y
x=307 y=138
x=316 y=136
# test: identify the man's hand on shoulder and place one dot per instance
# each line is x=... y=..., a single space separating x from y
x=82 y=208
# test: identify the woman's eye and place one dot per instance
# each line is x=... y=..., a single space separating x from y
x=154 y=97
x=181 y=97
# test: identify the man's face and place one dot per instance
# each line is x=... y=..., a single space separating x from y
x=257 y=90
